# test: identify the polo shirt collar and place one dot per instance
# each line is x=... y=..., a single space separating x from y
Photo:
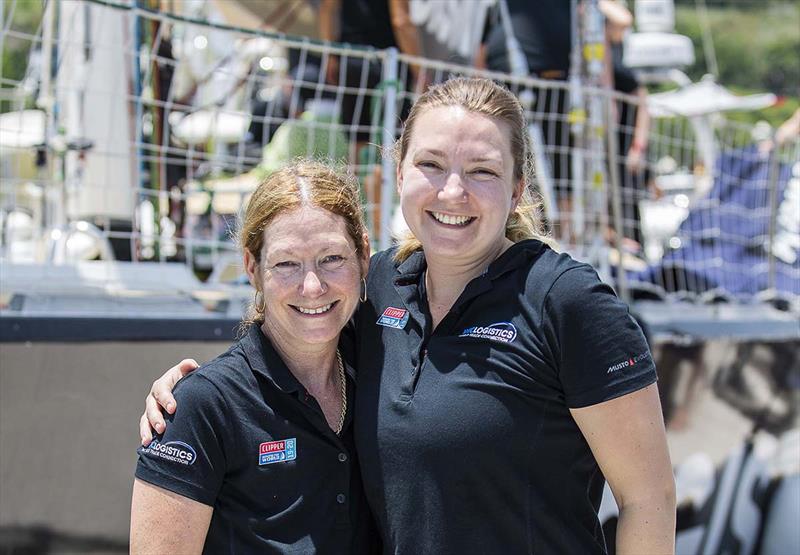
x=515 y=256
x=411 y=269
x=264 y=359
x=411 y=288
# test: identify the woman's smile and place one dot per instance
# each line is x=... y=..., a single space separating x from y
x=315 y=311
x=451 y=220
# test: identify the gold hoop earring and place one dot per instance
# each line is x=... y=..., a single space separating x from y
x=363 y=290
x=259 y=306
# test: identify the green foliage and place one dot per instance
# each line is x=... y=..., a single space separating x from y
x=23 y=17
x=757 y=47
x=731 y=4
x=783 y=62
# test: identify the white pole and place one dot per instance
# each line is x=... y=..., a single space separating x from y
x=577 y=120
x=45 y=98
x=389 y=126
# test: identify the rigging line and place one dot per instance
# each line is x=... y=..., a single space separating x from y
x=708 y=41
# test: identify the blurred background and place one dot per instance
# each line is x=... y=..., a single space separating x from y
x=666 y=138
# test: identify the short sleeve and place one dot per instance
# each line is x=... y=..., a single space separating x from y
x=188 y=459
x=601 y=351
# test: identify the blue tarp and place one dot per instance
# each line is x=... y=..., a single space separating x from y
x=724 y=239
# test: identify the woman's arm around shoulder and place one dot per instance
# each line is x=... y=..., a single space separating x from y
x=160 y=397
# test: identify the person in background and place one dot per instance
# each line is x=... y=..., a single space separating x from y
x=788 y=131
x=544 y=32
x=380 y=24
x=634 y=125
x=260 y=456
x=499 y=382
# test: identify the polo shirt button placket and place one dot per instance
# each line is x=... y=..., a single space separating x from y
x=342 y=513
x=418 y=367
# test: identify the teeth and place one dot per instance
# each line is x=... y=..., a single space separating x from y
x=319 y=310
x=451 y=220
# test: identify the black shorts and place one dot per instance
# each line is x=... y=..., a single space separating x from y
x=362 y=111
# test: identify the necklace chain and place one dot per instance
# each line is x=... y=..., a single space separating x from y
x=343 y=388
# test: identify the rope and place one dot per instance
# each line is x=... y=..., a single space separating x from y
x=708 y=41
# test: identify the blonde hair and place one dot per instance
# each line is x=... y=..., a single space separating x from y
x=482 y=96
x=304 y=182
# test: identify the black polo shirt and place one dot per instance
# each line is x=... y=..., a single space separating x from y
x=248 y=440
x=543 y=29
x=464 y=434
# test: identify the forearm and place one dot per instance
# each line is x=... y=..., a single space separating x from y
x=615 y=13
x=407 y=37
x=405 y=32
x=641 y=130
x=647 y=527
x=480 y=57
x=328 y=11
x=628 y=440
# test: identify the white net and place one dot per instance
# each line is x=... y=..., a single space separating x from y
x=138 y=135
